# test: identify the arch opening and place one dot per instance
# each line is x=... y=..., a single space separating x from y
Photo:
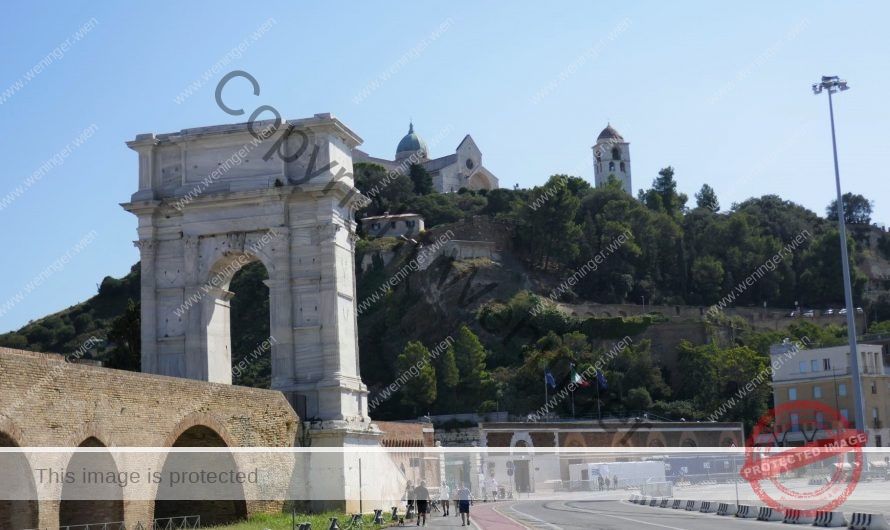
x=18 y=500
x=250 y=327
x=237 y=321
x=478 y=181
x=94 y=495
x=217 y=503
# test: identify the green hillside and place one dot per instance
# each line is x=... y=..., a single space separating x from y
x=500 y=316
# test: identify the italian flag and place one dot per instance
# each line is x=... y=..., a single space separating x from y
x=577 y=379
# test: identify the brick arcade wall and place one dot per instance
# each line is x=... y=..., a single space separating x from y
x=45 y=401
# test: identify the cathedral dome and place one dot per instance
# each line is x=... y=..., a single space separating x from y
x=410 y=144
x=609 y=133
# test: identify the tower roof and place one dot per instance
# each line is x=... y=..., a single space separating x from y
x=610 y=133
x=411 y=143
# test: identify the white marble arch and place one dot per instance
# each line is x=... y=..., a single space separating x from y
x=207 y=204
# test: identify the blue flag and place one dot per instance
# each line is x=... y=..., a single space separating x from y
x=548 y=379
x=602 y=380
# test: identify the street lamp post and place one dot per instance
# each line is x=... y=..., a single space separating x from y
x=832 y=84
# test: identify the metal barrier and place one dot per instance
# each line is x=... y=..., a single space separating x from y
x=118 y=525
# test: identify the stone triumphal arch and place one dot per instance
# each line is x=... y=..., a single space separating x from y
x=210 y=201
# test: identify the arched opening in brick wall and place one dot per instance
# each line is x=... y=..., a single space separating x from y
x=217 y=503
x=250 y=331
x=18 y=496
x=94 y=494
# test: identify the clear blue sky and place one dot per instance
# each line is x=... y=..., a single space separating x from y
x=656 y=80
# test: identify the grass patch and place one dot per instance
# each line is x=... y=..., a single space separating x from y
x=282 y=521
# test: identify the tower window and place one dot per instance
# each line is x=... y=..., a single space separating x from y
x=622 y=167
x=616 y=153
x=611 y=166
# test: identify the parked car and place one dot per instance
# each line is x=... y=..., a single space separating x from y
x=842 y=311
x=859 y=310
x=828 y=312
x=809 y=314
x=792 y=314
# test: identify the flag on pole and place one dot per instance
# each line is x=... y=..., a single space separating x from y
x=577 y=379
x=601 y=379
x=549 y=379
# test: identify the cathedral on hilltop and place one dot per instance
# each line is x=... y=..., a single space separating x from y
x=611 y=156
x=450 y=173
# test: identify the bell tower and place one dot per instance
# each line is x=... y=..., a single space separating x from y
x=611 y=156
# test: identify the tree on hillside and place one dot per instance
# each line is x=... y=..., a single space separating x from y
x=126 y=335
x=663 y=196
x=549 y=228
x=707 y=279
x=707 y=198
x=419 y=390
x=638 y=399
x=820 y=281
x=469 y=356
x=448 y=373
x=423 y=182
x=387 y=196
x=857 y=209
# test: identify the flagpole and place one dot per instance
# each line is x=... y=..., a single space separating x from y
x=546 y=399
x=573 y=403
x=599 y=415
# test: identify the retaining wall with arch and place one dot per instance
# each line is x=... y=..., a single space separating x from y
x=46 y=402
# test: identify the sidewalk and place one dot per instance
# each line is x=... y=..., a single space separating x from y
x=482 y=516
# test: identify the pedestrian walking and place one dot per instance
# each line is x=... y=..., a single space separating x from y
x=445 y=497
x=600 y=481
x=494 y=489
x=463 y=498
x=422 y=499
x=409 y=499
x=455 y=501
x=615 y=481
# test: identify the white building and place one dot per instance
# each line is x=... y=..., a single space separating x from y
x=450 y=173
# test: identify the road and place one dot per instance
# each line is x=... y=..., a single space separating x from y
x=612 y=511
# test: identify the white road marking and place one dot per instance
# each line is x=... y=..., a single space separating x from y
x=575 y=508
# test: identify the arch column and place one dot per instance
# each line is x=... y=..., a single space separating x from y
x=148 y=303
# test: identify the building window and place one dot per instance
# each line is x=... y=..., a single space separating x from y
x=795 y=422
x=792 y=394
x=826 y=364
x=820 y=420
x=375 y=226
x=622 y=167
x=814 y=365
x=817 y=392
x=410 y=224
x=802 y=366
x=845 y=413
x=616 y=153
x=874 y=388
x=842 y=389
x=392 y=224
x=611 y=166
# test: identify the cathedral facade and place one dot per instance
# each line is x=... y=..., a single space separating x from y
x=450 y=173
